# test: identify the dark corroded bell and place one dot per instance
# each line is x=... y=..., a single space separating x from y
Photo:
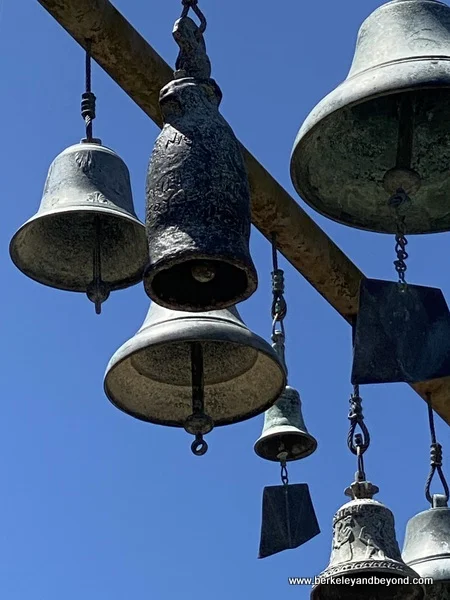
x=86 y=236
x=386 y=127
x=402 y=333
x=285 y=430
x=365 y=554
x=150 y=376
x=427 y=547
x=198 y=198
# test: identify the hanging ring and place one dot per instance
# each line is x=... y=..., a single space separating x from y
x=199 y=446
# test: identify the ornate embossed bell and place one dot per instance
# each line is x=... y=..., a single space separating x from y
x=427 y=547
x=386 y=127
x=150 y=376
x=365 y=560
x=86 y=228
x=285 y=430
x=198 y=198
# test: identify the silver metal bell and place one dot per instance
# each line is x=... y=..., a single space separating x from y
x=366 y=554
x=427 y=547
x=85 y=234
x=386 y=127
x=285 y=430
x=150 y=376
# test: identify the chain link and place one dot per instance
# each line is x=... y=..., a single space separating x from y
x=358 y=443
x=436 y=458
x=193 y=5
x=397 y=200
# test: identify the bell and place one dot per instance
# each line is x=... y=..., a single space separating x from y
x=150 y=376
x=365 y=560
x=386 y=128
x=85 y=236
x=285 y=430
x=427 y=547
x=198 y=197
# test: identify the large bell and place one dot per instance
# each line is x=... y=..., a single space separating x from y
x=85 y=236
x=365 y=560
x=285 y=430
x=427 y=547
x=198 y=197
x=150 y=376
x=386 y=127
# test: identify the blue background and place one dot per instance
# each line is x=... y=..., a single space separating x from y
x=94 y=504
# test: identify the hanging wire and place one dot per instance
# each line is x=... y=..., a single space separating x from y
x=193 y=5
x=358 y=443
x=88 y=99
x=436 y=457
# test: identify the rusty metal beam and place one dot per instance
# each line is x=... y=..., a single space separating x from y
x=137 y=68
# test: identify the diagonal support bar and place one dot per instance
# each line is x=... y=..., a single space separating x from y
x=137 y=68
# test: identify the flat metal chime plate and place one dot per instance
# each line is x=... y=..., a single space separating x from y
x=288 y=518
x=402 y=334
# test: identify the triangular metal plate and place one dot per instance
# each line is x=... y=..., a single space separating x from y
x=288 y=518
x=402 y=333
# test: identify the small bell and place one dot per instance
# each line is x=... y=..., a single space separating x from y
x=85 y=236
x=402 y=333
x=386 y=128
x=198 y=197
x=285 y=430
x=151 y=376
x=427 y=547
x=365 y=560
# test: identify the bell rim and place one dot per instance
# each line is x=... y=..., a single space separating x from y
x=260 y=442
x=23 y=267
x=114 y=363
x=247 y=267
x=389 y=567
x=354 y=98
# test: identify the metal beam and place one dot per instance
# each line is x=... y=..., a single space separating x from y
x=137 y=68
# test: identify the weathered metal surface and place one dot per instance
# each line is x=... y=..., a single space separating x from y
x=427 y=547
x=365 y=545
x=85 y=183
x=288 y=519
x=402 y=333
x=285 y=430
x=351 y=138
x=198 y=198
x=135 y=66
x=150 y=376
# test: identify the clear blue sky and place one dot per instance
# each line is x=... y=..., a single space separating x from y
x=94 y=504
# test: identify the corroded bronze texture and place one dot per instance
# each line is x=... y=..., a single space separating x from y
x=198 y=198
x=55 y=247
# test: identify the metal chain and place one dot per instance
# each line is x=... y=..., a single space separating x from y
x=193 y=5
x=401 y=242
x=88 y=99
x=358 y=443
x=436 y=457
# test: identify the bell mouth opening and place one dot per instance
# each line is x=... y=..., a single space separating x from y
x=200 y=285
x=297 y=445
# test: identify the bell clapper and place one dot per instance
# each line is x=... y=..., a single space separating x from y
x=436 y=463
x=203 y=272
x=97 y=291
x=198 y=424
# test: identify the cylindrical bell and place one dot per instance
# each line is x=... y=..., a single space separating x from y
x=366 y=560
x=427 y=547
x=198 y=202
x=150 y=376
x=386 y=127
x=285 y=430
x=86 y=211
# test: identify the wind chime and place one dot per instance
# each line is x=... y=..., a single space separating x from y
x=194 y=364
x=85 y=236
x=288 y=517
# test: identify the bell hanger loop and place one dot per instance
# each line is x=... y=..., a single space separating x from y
x=436 y=463
x=97 y=291
x=193 y=5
